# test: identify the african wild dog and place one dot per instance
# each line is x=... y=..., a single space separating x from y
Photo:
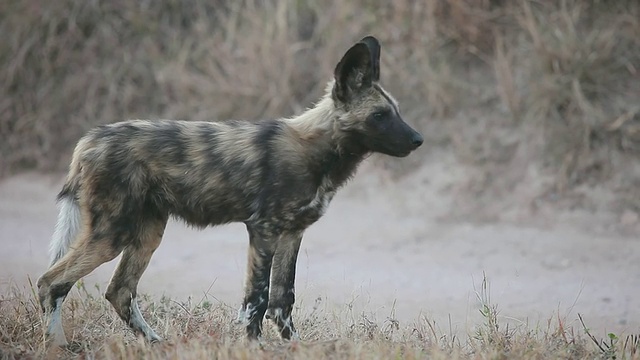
x=277 y=177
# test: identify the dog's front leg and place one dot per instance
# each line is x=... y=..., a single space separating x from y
x=256 y=299
x=282 y=296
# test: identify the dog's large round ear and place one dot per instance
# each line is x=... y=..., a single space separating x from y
x=374 y=48
x=354 y=72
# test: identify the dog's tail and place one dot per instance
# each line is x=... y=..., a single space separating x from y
x=69 y=215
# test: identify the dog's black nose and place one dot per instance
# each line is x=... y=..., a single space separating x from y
x=417 y=140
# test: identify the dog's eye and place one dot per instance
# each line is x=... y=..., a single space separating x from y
x=378 y=115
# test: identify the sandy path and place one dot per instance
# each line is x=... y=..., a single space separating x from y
x=380 y=243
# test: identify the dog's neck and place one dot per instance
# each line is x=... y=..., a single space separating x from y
x=334 y=152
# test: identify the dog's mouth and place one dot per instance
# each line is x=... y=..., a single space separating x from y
x=404 y=153
x=412 y=148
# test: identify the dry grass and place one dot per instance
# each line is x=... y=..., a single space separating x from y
x=203 y=329
x=585 y=58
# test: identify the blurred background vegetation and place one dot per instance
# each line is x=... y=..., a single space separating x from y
x=498 y=84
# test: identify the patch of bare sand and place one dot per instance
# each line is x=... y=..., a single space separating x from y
x=385 y=247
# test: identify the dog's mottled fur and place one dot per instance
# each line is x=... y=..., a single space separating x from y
x=278 y=177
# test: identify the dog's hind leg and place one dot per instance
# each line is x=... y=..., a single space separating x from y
x=122 y=289
x=83 y=257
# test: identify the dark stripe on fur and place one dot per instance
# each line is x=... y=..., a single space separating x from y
x=269 y=178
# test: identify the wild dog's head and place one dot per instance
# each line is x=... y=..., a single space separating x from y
x=371 y=115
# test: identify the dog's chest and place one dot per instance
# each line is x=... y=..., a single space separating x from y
x=319 y=203
x=312 y=209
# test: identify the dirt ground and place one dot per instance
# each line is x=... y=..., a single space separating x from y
x=387 y=247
